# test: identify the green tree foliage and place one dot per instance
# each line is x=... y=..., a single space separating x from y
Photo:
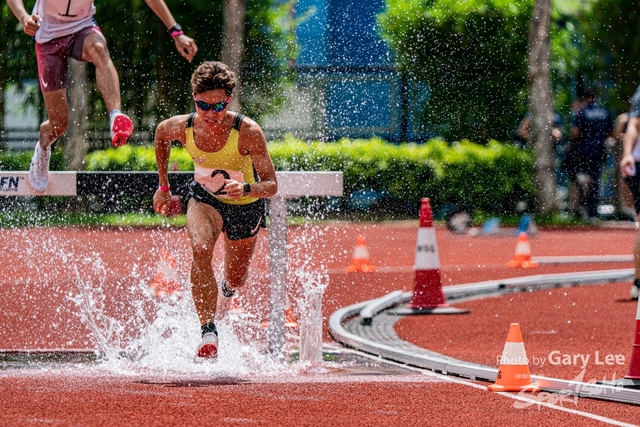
x=17 y=54
x=17 y=57
x=610 y=29
x=154 y=78
x=572 y=54
x=270 y=49
x=491 y=178
x=471 y=53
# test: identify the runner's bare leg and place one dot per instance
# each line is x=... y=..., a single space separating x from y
x=94 y=50
x=204 y=225
x=237 y=255
x=57 y=117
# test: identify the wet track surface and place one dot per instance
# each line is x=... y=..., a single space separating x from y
x=38 y=282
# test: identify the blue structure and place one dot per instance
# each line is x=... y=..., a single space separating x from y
x=351 y=74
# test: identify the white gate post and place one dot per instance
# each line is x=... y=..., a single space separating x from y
x=277 y=275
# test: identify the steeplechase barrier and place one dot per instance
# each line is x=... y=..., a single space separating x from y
x=290 y=185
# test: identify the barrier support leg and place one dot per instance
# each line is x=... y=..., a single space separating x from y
x=277 y=276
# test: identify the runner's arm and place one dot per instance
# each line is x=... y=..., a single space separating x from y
x=185 y=45
x=172 y=129
x=618 y=127
x=253 y=143
x=30 y=23
x=630 y=139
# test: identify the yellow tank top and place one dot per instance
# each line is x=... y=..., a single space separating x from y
x=211 y=168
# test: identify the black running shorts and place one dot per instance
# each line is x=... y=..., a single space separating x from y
x=238 y=221
x=634 y=185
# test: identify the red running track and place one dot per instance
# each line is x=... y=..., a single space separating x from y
x=41 y=267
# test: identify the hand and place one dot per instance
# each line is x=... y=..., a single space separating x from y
x=186 y=46
x=30 y=24
x=234 y=189
x=627 y=165
x=161 y=202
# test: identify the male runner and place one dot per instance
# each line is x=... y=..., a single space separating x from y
x=629 y=168
x=233 y=175
x=67 y=28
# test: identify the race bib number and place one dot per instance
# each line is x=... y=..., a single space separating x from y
x=68 y=10
x=212 y=180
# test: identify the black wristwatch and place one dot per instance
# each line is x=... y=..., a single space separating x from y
x=176 y=27
x=247 y=188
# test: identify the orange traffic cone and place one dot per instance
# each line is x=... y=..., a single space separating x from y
x=360 y=260
x=634 y=367
x=234 y=306
x=632 y=379
x=289 y=320
x=513 y=373
x=166 y=281
x=522 y=257
x=428 y=297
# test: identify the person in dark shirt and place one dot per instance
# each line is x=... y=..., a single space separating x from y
x=591 y=127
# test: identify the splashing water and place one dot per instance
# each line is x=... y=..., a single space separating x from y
x=90 y=301
x=167 y=336
x=314 y=284
x=312 y=276
x=96 y=289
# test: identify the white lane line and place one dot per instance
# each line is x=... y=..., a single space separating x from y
x=530 y=401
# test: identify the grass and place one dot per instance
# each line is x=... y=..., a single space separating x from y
x=15 y=219
x=58 y=216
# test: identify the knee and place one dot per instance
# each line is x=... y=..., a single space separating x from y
x=235 y=279
x=202 y=254
x=98 y=53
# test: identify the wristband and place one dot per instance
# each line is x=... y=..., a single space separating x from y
x=164 y=188
x=176 y=30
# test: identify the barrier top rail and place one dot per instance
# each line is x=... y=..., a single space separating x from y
x=291 y=184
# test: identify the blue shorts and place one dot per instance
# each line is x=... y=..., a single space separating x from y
x=238 y=221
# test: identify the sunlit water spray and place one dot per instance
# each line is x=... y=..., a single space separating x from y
x=135 y=332
x=313 y=278
x=313 y=284
x=168 y=337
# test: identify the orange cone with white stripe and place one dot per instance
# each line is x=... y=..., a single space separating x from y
x=361 y=260
x=234 y=306
x=166 y=281
x=513 y=373
x=522 y=257
x=428 y=297
x=289 y=320
x=427 y=291
x=634 y=367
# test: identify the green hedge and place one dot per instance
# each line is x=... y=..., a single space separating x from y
x=135 y=158
x=20 y=161
x=491 y=178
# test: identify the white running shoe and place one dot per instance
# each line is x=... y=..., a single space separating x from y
x=39 y=168
x=208 y=348
x=634 y=292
